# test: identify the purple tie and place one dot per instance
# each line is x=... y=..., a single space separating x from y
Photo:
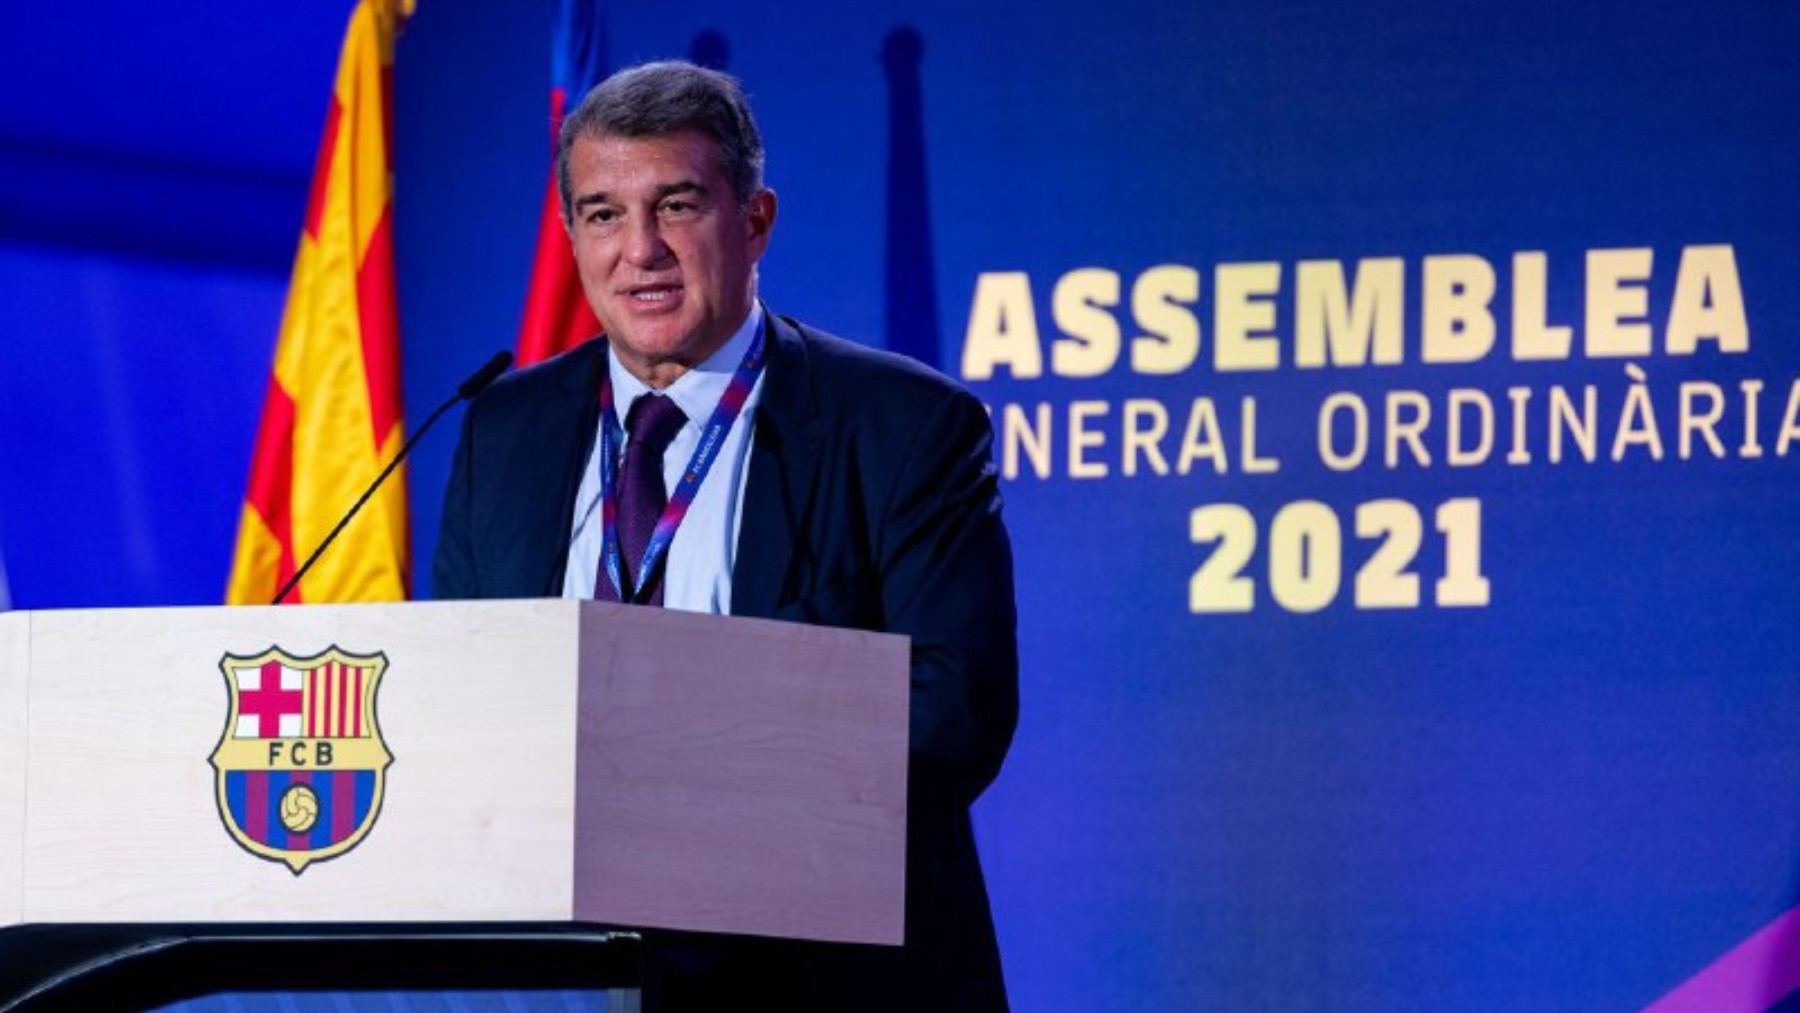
x=651 y=423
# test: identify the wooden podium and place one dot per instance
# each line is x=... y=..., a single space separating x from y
x=523 y=769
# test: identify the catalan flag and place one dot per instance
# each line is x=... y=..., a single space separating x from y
x=332 y=415
x=557 y=316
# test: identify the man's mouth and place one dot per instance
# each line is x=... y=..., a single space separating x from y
x=651 y=295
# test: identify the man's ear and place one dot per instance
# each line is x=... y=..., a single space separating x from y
x=759 y=213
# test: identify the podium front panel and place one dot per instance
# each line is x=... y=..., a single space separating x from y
x=15 y=629
x=127 y=820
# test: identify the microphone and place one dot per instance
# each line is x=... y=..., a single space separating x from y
x=475 y=384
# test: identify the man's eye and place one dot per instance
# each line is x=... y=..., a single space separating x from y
x=677 y=207
x=602 y=216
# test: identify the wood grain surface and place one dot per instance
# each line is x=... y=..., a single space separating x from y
x=732 y=775
x=476 y=706
x=15 y=628
x=742 y=775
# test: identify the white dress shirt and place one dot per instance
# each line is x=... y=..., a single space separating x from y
x=697 y=576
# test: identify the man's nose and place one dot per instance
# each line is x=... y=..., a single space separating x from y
x=644 y=246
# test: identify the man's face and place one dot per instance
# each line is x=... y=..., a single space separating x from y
x=667 y=255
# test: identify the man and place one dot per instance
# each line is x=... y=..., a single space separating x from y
x=853 y=488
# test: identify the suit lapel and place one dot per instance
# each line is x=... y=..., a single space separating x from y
x=566 y=448
x=784 y=470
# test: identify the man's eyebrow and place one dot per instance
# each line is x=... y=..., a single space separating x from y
x=686 y=186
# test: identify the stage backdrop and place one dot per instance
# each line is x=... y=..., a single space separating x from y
x=1399 y=417
x=1399 y=414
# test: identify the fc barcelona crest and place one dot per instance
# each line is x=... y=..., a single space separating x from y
x=301 y=765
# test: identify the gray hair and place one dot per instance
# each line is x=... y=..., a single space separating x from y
x=659 y=99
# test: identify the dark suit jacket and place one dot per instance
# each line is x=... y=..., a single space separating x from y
x=873 y=503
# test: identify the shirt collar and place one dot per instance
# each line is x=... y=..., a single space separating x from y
x=697 y=391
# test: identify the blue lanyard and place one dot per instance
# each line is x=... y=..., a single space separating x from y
x=731 y=405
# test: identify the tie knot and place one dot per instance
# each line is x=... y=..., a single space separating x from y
x=653 y=421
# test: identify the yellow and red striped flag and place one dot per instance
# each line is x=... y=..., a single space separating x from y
x=332 y=415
